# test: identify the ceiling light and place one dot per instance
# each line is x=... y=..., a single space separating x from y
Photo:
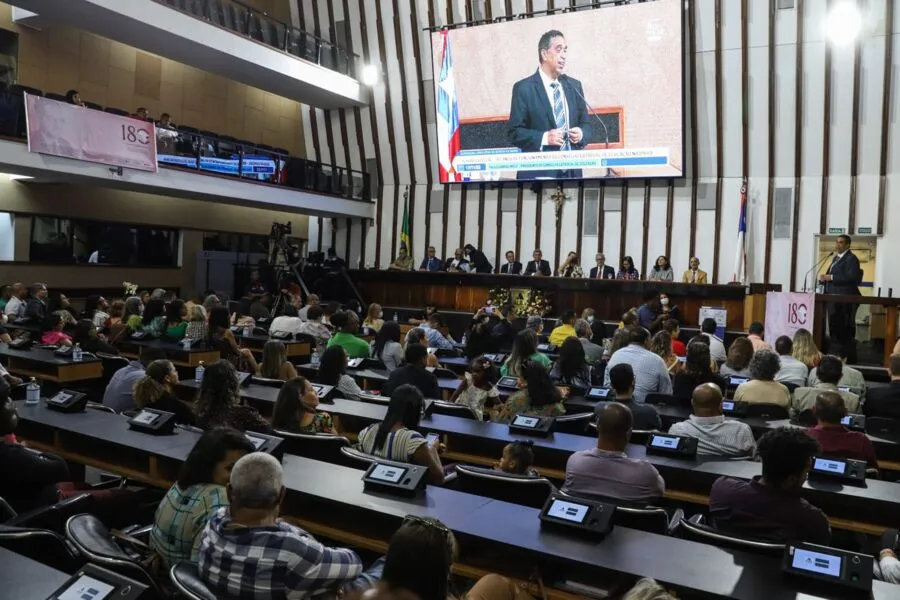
x=843 y=24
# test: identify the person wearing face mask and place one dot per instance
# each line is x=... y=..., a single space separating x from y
x=598 y=329
x=667 y=308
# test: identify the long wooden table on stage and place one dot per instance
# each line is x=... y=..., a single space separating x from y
x=890 y=317
x=609 y=298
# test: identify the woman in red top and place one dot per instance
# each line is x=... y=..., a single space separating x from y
x=678 y=347
x=53 y=331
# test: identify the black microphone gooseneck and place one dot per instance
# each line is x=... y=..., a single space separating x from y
x=597 y=117
x=814 y=268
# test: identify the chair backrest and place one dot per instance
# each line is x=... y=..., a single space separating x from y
x=358 y=459
x=275 y=383
x=442 y=373
x=54 y=516
x=664 y=399
x=882 y=426
x=518 y=489
x=100 y=407
x=111 y=364
x=46 y=547
x=451 y=408
x=767 y=411
x=805 y=418
x=697 y=531
x=646 y=518
x=319 y=446
x=92 y=540
x=576 y=423
x=185 y=576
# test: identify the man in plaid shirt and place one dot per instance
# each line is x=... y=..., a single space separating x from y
x=248 y=554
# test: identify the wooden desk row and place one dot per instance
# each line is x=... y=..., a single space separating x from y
x=494 y=536
x=41 y=363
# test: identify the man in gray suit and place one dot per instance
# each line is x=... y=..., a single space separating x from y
x=843 y=278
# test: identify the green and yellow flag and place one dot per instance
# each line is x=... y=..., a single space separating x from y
x=405 y=237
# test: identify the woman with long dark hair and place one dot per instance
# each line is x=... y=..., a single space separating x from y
x=697 y=370
x=537 y=396
x=274 y=363
x=153 y=320
x=296 y=409
x=333 y=371
x=571 y=367
x=524 y=348
x=218 y=401
x=396 y=438
x=627 y=270
x=222 y=339
x=156 y=390
x=386 y=346
x=59 y=304
x=85 y=335
x=662 y=270
x=176 y=319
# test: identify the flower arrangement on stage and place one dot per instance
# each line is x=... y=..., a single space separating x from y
x=536 y=303
x=499 y=296
x=130 y=288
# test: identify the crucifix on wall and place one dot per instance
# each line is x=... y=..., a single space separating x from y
x=559 y=198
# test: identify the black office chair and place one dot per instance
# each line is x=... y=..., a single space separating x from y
x=52 y=517
x=442 y=373
x=576 y=423
x=111 y=364
x=93 y=105
x=93 y=541
x=767 y=411
x=664 y=399
x=186 y=579
x=638 y=436
x=439 y=407
x=358 y=459
x=374 y=399
x=319 y=446
x=518 y=489
x=44 y=546
x=805 y=419
x=653 y=519
x=882 y=426
x=696 y=530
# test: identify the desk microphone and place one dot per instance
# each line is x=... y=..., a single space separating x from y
x=596 y=116
x=816 y=266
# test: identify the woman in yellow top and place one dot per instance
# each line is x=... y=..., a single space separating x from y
x=374 y=317
x=537 y=396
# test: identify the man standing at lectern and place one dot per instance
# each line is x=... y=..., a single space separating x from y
x=843 y=278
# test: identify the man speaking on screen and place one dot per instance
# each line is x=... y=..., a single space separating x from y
x=549 y=112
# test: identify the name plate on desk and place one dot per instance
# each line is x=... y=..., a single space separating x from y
x=546 y=348
x=846 y=470
x=672 y=445
x=854 y=422
x=829 y=566
x=579 y=515
x=96 y=583
x=402 y=480
x=528 y=425
x=152 y=421
x=67 y=401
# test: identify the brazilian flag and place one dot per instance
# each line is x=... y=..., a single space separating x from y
x=405 y=237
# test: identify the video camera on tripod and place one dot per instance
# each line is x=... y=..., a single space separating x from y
x=280 y=230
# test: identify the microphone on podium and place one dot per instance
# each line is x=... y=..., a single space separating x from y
x=597 y=117
x=815 y=267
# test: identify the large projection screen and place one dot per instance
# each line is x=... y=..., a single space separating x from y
x=579 y=95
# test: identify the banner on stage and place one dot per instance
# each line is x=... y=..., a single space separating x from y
x=786 y=312
x=71 y=131
x=718 y=314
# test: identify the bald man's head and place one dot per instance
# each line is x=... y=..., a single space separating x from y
x=614 y=427
x=707 y=400
x=830 y=408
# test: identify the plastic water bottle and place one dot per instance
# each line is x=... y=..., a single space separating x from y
x=396 y=318
x=247 y=331
x=198 y=372
x=315 y=357
x=33 y=392
x=77 y=354
x=464 y=339
x=186 y=343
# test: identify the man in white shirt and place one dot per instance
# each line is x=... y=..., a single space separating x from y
x=850 y=377
x=311 y=301
x=792 y=370
x=650 y=372
x=716 y=345
x=15 y=308
x=715 y=435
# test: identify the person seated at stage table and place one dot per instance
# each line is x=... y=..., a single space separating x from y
x=119 y=394
x=396 y=438
x=570 y=267
x=792 y=371
x=697 y=371
x=218 y=401
x=246 y=551
x=602 y=270
x=662 y=270
x=431 y=262
x=403 y=262
x=564 y=330
x=805 y=349
x=414 y=373
x=627 y=270
x=739 y=356
x=769 y=507
x=476 y=390
x=694 y=274
x=651 y=374
x=221 y=338
x=296 y=409
x=374 y=317
x=884 y=401
x=524 y=348
x=346 y=325
x=661 y=345
x=457 y=264
x=836 y=440
x=593 y=353
x=850 y=377
x=386 y=347
x=538 y=266
x=153 y=321
x=716 y=436
x=511 y=266
x=196 y=495
x=274 y=363
x=176 y=320
x=52 y=331
x=829 y=373
x=572 y=368
x=433 y=334
x=536 y=397
x=762 y=387
x=606 y=471
x=85 y=335
x=478 y=262
x=517 y=459
x=621 y=381
x=333 y=371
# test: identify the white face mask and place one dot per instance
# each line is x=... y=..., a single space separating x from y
x=380 y=314
x=664 y=301
x=590 y=319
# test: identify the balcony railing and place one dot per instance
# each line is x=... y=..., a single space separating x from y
x=259 y=26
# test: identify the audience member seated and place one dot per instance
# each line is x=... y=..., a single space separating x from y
x=396 y=438
x=52 y=331
x=517 y=459
x=119 y=394
x=650 y=372
x=606 y=471
x=196 y=328
x=661 y=345
x=565 y=329
x=240 y=319
x=672 y=327
x=95 y=310
x=116 y=313
x=716 y=345
x=386 y=346
x=403 y=262
x=259 y=308
x=156 y=390
x=133 y=317
x=315 y=328
x=196 y=495
x=346 y=325
x=716 y=436
x=885 y=401
x=536 y=397
x=769 y=507
x=571 y=368
x=333 y=371
x=805 y=349
x=15 y=307
x=478 y=339
x=792 y=371
x=762 y=388
x=524 y=348
x=476 y=390
x=296 y=409
x=274 y=363
x=850 y=377
x=536 y=324
x=374 y=317
x=311 y=301
x=287 y=323
x=36 y=306
x=414 y=373
x=650 y=315
x=593 y=353
x=85 y=335
x=755 y=335
x=423 y=317
x=836 y=440
x=621 y=381
x=10 y=379
x=153 y=321
x=738 y=362
x=59 y=304
x=211 y=301
x=221 y=338
x=218 y=401
x=829 y=373
x=697 y=371
x=432 y=329
x=247 y=552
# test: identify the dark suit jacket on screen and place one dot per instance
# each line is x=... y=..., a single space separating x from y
x=531 y=115
x=608 y=272
x=515 y=270
x=532 y=268
x=847 y=275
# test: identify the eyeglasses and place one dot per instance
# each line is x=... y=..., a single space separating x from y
x=428 y=523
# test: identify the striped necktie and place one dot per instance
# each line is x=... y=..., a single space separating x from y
x=559 y=112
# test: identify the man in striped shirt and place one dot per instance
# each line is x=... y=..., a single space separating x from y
x=716 y=436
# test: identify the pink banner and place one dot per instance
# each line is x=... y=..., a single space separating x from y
x=71 y=131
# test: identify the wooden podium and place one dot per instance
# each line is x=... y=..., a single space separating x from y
x=889 y=306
